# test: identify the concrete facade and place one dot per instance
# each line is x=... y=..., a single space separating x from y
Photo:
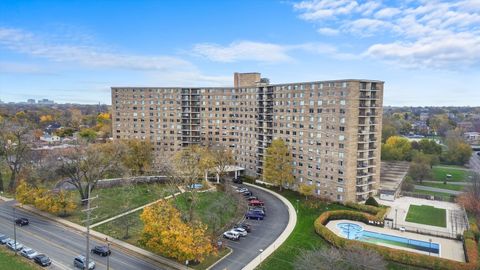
x=332 y=128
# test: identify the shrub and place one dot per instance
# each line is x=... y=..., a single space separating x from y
x=371 y=201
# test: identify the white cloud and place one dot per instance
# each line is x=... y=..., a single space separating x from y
x=262 y=52
x=243 y=51
x=328 y=31
x=438 y=34
x=387 y=13
x=27 y=43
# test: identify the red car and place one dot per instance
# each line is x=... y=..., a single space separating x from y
x=255 y=203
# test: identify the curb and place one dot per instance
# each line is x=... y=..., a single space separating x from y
x=292 y=221
x=131 y=249
x=221 y=259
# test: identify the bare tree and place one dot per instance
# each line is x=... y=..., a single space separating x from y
x=471 y=198
x=14 y=147
x=336 y=259
x=222 y=158
x=84 y=165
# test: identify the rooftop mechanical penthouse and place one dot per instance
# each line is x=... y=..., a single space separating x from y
x=332 y=128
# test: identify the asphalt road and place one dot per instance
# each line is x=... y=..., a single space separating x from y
x=264 y=232
x=63 y=244
x=475 y=162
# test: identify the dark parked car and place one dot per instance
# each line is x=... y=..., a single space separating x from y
x=101 y=250
x=238 y=181
x=254 y=215
x=247 y=193
x=42 y=260
x=244 y=225
x=252 y=198
x=21 y=221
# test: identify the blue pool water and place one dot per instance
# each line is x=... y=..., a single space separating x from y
x=356 y=232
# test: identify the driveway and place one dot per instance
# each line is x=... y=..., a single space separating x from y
x=475 y=162
x=264 y=232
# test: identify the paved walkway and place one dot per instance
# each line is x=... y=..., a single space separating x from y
x=136 y=209
x=448 y=191
x=455 y=168
x=449 y=249
x=449 y=183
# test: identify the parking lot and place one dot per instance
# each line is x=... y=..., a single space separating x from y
x=264 y=232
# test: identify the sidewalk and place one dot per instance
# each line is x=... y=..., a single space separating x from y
x=448 y=191
x=136 y=209
x=450 y=183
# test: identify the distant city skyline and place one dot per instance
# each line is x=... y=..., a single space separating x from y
x=427 y=52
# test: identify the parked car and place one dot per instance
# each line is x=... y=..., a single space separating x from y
x=4 y=239
x=255 y=203
x=101 y=250
x=14 y=245
x=238 y=180
x=232 y=235
x=254 y=215
x=80 y=262
x=241 y=231
x=252 y=198
x=244 y=225
x=247 y=193
x=241 y=189
x=42 y=260
x=258 y=209
x=28 y=253
x=21 y=221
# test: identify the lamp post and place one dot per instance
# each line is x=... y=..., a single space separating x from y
x=396 y=210
x=297 y=204
x=14 y=230
x=430 y=248
x=108 y=256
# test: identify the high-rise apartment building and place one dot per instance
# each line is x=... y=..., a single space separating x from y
x=332 y=128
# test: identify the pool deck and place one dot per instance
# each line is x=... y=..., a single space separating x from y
x=449 y=249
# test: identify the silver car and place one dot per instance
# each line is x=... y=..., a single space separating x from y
x=28 y=253
x=80 y=262
x=12 y=245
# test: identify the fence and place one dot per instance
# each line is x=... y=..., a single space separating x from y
x=449 y=235
x=108 y=183
x=450 y=198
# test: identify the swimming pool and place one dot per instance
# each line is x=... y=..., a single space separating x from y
x=356 y=232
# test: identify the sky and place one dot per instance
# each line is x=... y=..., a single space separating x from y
x=427 y=51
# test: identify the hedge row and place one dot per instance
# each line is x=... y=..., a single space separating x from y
x=378 y=212
x=391 y=254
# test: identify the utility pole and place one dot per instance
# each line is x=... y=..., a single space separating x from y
x=14 y=229
x=88 y=210
x=108 y=255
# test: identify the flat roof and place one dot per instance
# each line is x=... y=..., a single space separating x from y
x=231 y=87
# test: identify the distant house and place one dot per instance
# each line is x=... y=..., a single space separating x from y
x=50 y=129
x=424 y=116
x=465 y=126
x=49 y=138
x=472 y=137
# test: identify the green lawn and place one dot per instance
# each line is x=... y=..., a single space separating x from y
x=428 y=215
x=9 y=261
x=205 y=200
x=304 y=236
x=444 y=186
x=458 y=175
x=111 y=201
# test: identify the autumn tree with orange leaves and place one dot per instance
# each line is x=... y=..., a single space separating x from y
x=166 y=233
